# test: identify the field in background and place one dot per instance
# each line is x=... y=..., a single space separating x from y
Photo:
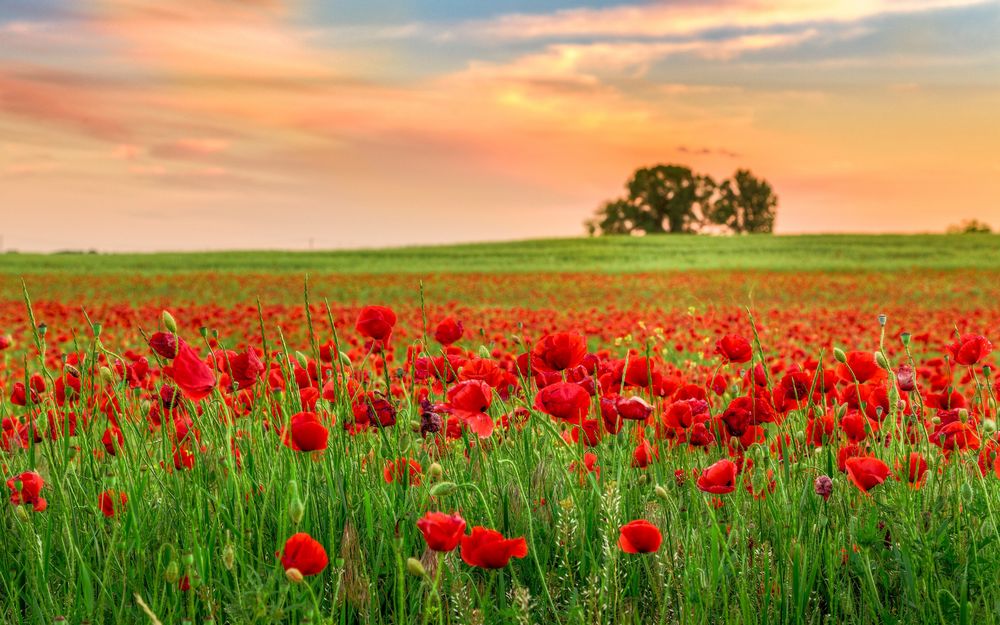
x=605 y=254
x=199 y=468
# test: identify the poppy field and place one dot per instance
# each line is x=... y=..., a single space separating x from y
x=709 y=446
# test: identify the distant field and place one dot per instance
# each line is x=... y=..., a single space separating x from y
x=609 y=254
x=564 y=397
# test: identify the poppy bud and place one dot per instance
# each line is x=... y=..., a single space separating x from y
x=839 y=355
x=188 y=559
x=904 y=378
x=296 y=509
x=97 y=330
x=823 y=486
x=168 y=322
x=443 y=489
x=936 y=420
x=966 y=490
x=963 y=415
x=414 y=426
x=302 y=360
x=881 y=360
x=107 y=376
x=989 y=426
x=173 y=572
x=345 y=360
x=203 y=331
x=660 y=492
x=229 y=556
x=643 y=479
x=22 y=513
x=435 y=472
x=484 y=352
x=415 y=568
x=294 y=575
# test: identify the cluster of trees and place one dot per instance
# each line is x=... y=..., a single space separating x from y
x=970 y=226
x=672 y=198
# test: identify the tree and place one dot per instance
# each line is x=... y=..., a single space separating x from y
x=745 y=204
x=664 y=198
x=970 y=226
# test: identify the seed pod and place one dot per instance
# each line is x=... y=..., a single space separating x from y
x=415 y=568
x=168 y=321
x=443 y=489
x=435 y=472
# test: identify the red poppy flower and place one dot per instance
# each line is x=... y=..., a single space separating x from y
x=246 y=368
x=644 y=454
x=164 y=344
x=304 y=554
x=376 y=322
x=111 y=503
x=469 y=401
x=915 y=471
x=448 y=331
x=489 y=549
x=306 y=433
x=564 y=400
x=719 y=479
x=969 y=349
x=26 y=489
x=633 y=408
x=191 y=374
x=639 y=536
x=866 y=472
x=441 y=531
x=956 y=436
x=863 y=365
x=559 y=351
x=406 y=470
x=734 y=348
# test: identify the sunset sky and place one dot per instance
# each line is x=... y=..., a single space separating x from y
x=193 y=124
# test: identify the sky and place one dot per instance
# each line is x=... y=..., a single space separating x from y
x=217 y=124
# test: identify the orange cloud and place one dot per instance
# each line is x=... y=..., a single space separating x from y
x=694 y=16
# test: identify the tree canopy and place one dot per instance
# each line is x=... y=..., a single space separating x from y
x=673 y=198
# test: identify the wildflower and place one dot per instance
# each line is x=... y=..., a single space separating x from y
x=718 y=479
x=376 y=322
x=303 y=554
x=26 y=489
x=734 y=348
x=639 y=536
x=488 y=549
x=441 y=531
x=866 y=472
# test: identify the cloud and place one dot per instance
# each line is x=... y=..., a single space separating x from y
x=690 y=17
x=76 y=108
x=190 y=149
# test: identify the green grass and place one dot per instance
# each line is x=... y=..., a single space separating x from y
x=609 y=254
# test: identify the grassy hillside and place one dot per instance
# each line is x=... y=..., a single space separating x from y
x=610 y=254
